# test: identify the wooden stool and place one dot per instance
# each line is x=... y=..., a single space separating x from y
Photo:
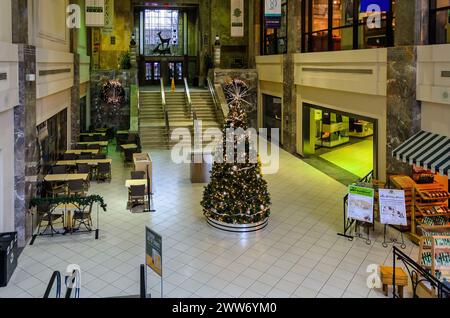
x=401 y=279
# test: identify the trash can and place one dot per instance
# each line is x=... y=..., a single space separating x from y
x=8 y=256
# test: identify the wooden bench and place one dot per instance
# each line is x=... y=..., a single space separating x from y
x=401 y=279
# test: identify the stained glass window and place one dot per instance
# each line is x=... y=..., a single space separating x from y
x=161 y=30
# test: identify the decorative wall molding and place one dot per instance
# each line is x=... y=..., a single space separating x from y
x=55 y=71
x=357 y=71
x=337 y=70
x=270 y=68
x=433 y=73
x=9 y=76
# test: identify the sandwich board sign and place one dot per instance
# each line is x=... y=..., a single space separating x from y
x=153 y=251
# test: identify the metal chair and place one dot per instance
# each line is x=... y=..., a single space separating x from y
x=44 y=214
x=89 y=139
x=137 y=175
x=94 y=147
x=85 y=169
x=136 y=196
x=82 y=146
x=83 y=218
x=76 y=188
x=70 y=156
x=104 y=172
x=55 y=189
x=59 y=170
x=100 y=156
x=85 y=156
x=128 y=156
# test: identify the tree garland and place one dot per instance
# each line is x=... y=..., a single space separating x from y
x=76 y=200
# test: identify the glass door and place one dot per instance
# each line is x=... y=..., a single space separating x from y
x=152 y=73
x=175 y=71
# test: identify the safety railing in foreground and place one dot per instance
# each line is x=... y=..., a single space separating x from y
x=164 y=107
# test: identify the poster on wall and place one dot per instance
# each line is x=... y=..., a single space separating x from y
x=272 y=14
x=360 y=203
x=153 y=251
x=392 y=207
x=109 y=17
x=95 y=13
x=237 y=18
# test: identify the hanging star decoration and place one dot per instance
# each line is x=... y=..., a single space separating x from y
x=113 y=93
x=238 y=92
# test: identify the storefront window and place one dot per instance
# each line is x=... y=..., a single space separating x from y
x=274 y=40
x=439 y=21
x=333 y=25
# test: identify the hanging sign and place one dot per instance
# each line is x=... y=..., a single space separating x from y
x=392 y=207
x=153 y=251
x=109 y=17
x=360 y=203
x=237 y=18
x=95 y=13
x=375 y=5
x=272 y=14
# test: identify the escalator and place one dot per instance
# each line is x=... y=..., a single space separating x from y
x=72 y=285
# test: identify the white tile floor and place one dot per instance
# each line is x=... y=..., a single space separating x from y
x=297 y=255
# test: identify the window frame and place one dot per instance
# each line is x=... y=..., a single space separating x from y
x=433 y=11
x=307 y=15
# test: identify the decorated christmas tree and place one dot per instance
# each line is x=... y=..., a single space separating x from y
x=237 y=193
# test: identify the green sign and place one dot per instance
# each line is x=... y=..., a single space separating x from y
x=360 y=203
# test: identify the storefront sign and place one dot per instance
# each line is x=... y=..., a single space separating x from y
x=153 y=251
x=95 y=13
x=237 y=18
x=377 y=5
x=392 y=207
x=360 y=203
x=272 y=14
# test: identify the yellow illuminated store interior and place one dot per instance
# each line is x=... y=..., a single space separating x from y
x=234 y=149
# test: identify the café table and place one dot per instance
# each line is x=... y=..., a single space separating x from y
x=91 y=162
x=66 y=177
x=79 y=151
x=101 y=134
x=129 y=146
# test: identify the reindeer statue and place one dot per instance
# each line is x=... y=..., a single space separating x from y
x=163 y=48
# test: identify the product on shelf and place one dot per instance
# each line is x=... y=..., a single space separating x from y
x=435 y=220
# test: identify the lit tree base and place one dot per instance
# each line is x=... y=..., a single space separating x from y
x=238 y=228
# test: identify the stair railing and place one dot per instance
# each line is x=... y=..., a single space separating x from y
x=164 y=106
x=56 y=278
x=191 y=108
x=220 y=107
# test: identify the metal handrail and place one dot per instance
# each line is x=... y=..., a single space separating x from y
x=55 y=276
x=187 y=93
x=164 y=106
x=417 y=275
x=215 y=98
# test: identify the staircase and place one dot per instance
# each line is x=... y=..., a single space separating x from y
x=152 y=127
x=203 y=104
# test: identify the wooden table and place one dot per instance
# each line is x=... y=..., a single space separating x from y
x=140 y=182
x=100 y=143
x=401 y=279
x=129 y=146
x=79 y=151
x=67 y=210
x=92 y=162
x=101 y=134
x=122 y=132
x=102 y=130
x=66 y=177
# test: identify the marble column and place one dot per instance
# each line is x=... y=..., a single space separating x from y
x=19 y=11
x=289 y=90
x=205 y=37
x=75 y=100
x=25 y=148
x=403 y=109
